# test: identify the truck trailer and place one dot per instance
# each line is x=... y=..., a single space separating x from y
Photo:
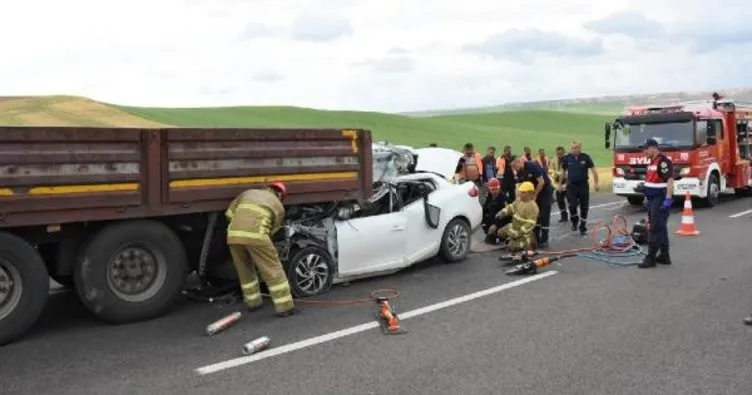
x=707 y=140
x=122 y=214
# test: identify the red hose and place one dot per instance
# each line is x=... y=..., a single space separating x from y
x=617 y=227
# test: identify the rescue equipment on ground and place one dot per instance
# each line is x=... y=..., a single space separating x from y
x=224 y=323
x=256 y=345
x=640 y=232
x=610 y=249
x=388 y=319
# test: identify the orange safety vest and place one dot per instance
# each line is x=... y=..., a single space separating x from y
x=501 y=165
x=472 y=170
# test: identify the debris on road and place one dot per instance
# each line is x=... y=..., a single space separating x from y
x=256 y=345
x=224 y=323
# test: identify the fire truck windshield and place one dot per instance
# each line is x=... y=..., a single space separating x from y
x=668 y=135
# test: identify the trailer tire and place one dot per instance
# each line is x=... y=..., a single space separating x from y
x=26 y=286
x=131 y=271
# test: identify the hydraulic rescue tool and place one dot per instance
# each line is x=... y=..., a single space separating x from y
x=531 y=267
x=388 y=318
x=520 y=257
x=640 y=232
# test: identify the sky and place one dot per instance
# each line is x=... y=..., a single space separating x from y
x=384 y=55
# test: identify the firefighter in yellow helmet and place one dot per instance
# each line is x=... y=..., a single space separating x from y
x=524 y=213
x=254 y=216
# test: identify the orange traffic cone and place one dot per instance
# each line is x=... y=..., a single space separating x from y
x=687 y=227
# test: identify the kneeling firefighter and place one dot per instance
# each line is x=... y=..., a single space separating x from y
x=255 y=215
x=524 y=212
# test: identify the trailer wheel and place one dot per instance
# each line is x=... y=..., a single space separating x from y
x=131 y=271
x=24 y=287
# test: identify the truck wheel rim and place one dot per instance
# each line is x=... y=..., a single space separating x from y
x=457 y=240
x=11 y=288
x=311 y=273
x=136 y=273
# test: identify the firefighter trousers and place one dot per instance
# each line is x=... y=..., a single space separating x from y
x=544 y=214
x=261 y=254
x=578 y=195
x=561 y=201
x=658 y=218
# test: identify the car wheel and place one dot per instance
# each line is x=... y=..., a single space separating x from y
x=455 y=242
x=131 y=271
x=24 y=287
x=310 y=271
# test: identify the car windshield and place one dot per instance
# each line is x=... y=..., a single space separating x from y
x=675 y=134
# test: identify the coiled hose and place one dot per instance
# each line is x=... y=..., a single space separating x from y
x=611 y=244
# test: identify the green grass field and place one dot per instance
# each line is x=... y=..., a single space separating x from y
x=533 y=128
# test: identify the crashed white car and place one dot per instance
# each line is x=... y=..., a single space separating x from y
x=410 y=218
x=416 y=213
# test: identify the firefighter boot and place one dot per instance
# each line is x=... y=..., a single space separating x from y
x=649 y=260
x=664 y=258
x=564 y=216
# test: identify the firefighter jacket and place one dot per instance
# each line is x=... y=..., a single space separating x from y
x=557 y=173
x=255 y=214
x=524 y=215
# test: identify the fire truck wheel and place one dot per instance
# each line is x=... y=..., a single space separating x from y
x=714 y=191
x=131 y=271
x=24 y=287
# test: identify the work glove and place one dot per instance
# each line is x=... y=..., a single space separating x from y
x=667 y=203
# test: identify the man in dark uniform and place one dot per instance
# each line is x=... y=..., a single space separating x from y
x=506 y=173
x=495 y=202
x=659 y=191
x=530 y=171
x=576 y=165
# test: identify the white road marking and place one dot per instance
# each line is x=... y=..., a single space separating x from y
x=607 y=204
x=231 y=363
x=743 y=213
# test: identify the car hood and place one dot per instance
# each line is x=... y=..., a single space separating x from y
x=442 y=161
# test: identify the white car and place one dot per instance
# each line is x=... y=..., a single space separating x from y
x=411 y=218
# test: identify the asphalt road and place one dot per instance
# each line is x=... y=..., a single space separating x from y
x=585 y=328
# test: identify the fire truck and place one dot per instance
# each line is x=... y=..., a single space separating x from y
x=709 y=142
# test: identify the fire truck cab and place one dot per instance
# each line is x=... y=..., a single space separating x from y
x=709 y=142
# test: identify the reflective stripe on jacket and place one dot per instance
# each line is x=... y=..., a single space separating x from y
x=255 y=214
x=524 y=217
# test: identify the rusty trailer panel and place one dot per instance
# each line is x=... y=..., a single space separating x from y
x=67 y=174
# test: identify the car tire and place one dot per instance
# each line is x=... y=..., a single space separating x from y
x=636 y=200
x=310 y=271
x=122 y=251
x=25 y=287
x=455 y=242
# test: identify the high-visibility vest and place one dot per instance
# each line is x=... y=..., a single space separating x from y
x=472 y=170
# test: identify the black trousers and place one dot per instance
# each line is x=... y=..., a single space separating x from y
x=510 y=191
x=544 y=214
x=561 y=201
x=658 y=235
x=578 y=195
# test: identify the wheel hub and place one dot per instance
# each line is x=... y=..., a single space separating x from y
x=311 y=272
x=457 y=240
x=10 y=288
x=133 y=271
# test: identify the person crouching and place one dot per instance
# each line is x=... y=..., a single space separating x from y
x=524 y=213
x=494 y=202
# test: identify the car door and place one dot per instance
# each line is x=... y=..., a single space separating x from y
x=372 y=244
x=423 y=241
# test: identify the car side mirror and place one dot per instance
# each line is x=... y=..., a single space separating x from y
x=607 y=134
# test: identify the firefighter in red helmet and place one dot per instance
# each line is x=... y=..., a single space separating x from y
x=255 y=216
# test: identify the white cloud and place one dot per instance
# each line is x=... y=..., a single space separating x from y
x=388 y=55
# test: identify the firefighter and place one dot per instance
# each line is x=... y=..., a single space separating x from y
x=659 y=190
x=530 y=171
x=524 y=212
x=560 y=181
x=576 y=164
x=506 y=173
x=255 y=215
x=495 y=201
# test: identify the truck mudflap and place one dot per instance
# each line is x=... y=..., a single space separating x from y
x=691 y=185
